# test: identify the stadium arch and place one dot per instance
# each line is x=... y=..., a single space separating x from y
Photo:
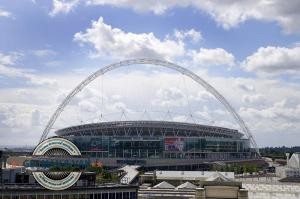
x=156 y=62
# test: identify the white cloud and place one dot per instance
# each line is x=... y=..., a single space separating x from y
x=257 y=99
x=228 y=14
x=115 y=42
x=63 y=6
x=138 y=90
x=44 y=52
x=35 y=118
x=244 y=86
x=14 y=116
x=212 y=57
x=158 y=7
x=8 y=69
x=192 y=34
x=6 y=62
x=168 y=97
x=266 y=105
x=118 y=106
x=274 y=60
x=202 y=96
x=116 y=97
x=40 y=81
x=6 y=59
x=204 y=114
x=279 y=112
x=30 y=78
x=4 y=13
x=87 y=106
x=180 y=118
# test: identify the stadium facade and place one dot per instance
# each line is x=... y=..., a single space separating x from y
x=158 y=143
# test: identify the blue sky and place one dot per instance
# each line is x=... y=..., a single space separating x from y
x=248 y=50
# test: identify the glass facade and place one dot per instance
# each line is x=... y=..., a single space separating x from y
x=148 y=147
x=153 y=142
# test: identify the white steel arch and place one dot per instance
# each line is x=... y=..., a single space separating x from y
x=156 y=62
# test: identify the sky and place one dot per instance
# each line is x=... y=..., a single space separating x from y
x=247 y=50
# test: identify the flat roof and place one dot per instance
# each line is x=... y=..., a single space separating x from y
x=190 y=175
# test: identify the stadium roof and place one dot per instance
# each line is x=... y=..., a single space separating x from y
x=149 y=128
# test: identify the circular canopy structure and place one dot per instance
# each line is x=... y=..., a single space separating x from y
x=155 y=62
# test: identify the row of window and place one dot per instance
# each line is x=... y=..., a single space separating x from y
x=111 y=195
x=163 y=144
x=154 y=154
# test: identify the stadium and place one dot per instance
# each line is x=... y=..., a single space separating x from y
x=157 y=143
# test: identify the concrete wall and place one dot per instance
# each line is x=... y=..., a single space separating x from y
x=272 y=191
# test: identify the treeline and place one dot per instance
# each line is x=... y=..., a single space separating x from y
x=104 y=175
x=278 y=152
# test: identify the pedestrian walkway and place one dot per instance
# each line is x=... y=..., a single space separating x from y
x=131 y=173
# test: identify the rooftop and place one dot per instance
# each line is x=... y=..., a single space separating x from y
x=133 y=128
x=194 y=175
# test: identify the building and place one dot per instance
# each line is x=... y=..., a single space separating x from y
x=158 y=144
x=18 y=183
x=263 y=190
x=291 y=170
x=187 y=190
x=190 y=184
x=107 y=191
x=178 y=177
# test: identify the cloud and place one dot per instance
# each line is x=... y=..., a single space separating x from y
x=8 y=69
x=136 y=91
x=35 y=118
x=87 y=106
x=244 y=86
x=4 y=13
x=274 y=60
x=6 y=62
x=63 y=6
x=202 y=96
x=212 y=57
x=41 y=81
x=231 y=14
x=192 y=34
x=44 y=52
x=8 y=59
x=33 y=79
x=15 y=116
x=157 y=7
x=109 y=41
x=257 y=99
x=279 y=112
x=116 y=43
x=227 y=14
x=21 y=122
x=168 y=97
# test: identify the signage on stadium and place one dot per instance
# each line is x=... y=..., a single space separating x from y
x=58 y=153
